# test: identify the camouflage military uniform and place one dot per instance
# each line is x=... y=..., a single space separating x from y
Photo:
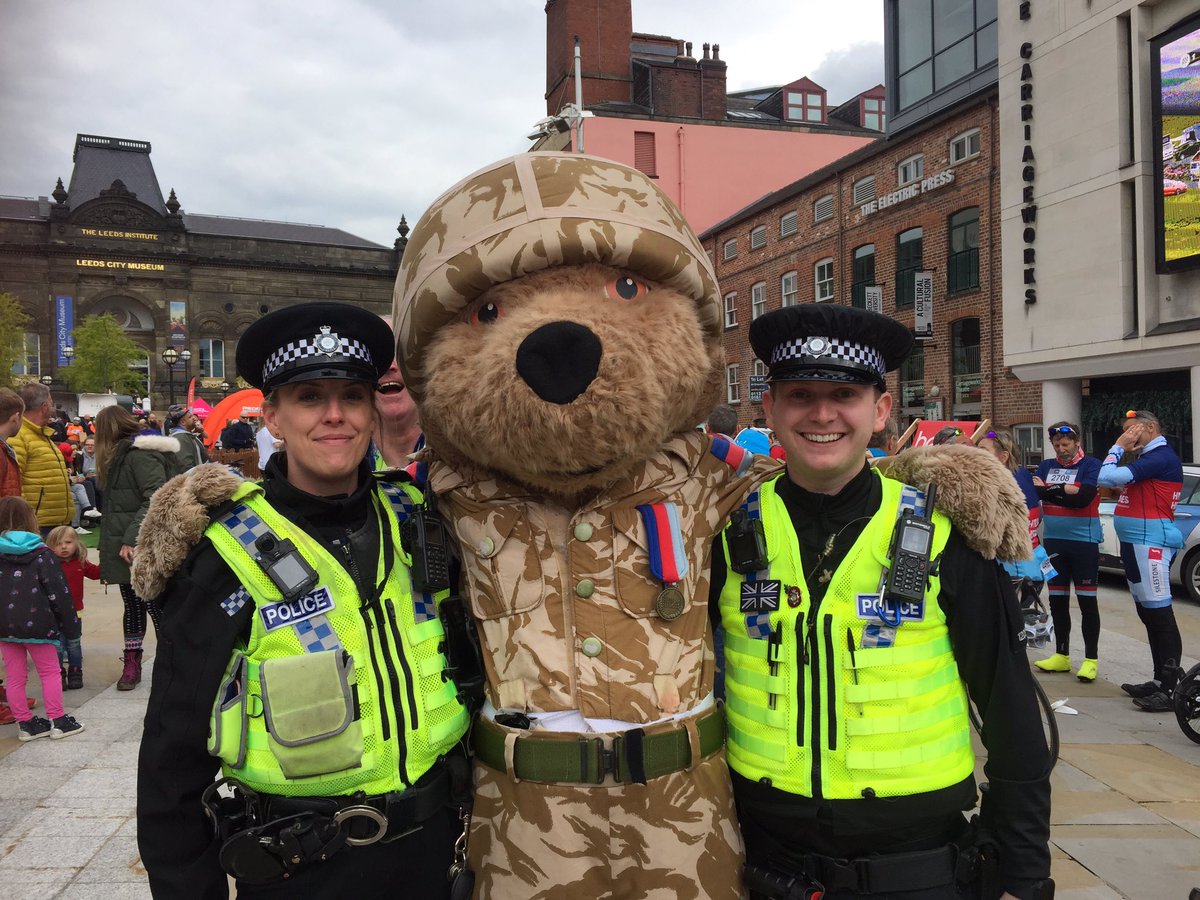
x=562 y=588
x=546 y=582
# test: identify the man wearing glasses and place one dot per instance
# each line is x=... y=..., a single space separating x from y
x=1072 y=534
x=1145 y=523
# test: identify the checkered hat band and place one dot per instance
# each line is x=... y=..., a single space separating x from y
x=306 y=348
x=835 y=352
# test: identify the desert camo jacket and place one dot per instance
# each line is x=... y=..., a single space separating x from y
x=565 y=599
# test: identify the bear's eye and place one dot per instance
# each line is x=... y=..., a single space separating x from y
x=486 y=314
x=625 y=287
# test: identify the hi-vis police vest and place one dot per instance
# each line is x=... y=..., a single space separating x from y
x=331 y=695
x=851 y=697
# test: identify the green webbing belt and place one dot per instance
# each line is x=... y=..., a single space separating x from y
x=585 y=761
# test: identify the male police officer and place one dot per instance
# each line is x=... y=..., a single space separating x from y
x=849 y=736
x=296 y=652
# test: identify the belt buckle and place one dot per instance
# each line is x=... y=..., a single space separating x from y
x=347 y=813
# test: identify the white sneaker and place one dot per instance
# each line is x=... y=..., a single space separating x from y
x=82 y=530
x=92 y=513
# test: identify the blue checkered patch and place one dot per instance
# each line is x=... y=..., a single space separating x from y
x=758 y=626
x=235 y=601
x=245 y=525
x=911 y=498
x=316 y=634
x=424 y=607
x=401 y=503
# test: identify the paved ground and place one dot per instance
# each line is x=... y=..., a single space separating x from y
x=1126 y=817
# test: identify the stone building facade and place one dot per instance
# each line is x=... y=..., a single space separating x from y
x=110 y=243
x=924 y=201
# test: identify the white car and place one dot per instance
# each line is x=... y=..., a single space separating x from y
x=1185 y=568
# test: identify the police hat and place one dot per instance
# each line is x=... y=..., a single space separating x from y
x=828 y=342
x=311 y=341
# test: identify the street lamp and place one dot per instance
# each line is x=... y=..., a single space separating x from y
x=47 y=380
x=68 y=353
x=225 y=386
x=170 y=356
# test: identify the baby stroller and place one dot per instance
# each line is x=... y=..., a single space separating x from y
x=1029 y=577
x=1039 y=627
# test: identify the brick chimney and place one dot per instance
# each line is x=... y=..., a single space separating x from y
x=604 y=28
x=713 y=99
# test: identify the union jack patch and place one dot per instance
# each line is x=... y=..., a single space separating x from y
x=760 y=596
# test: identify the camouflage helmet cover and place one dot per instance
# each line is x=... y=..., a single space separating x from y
x=532 y=212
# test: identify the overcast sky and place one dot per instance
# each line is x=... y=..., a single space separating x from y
x=346 y=113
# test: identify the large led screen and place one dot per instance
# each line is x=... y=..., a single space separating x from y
x=1175 y=60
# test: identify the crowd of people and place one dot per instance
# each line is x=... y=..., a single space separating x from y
x=344 y=424
x=367 y=677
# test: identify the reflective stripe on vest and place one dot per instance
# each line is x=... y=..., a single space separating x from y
x=408 y=712
x=890 y=716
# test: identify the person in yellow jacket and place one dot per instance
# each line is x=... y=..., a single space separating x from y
x=45 y=480
x=299 y=653
x=848 y=690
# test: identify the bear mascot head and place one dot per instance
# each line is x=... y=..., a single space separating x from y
x=557 y=321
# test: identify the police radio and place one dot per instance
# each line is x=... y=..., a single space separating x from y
x=909 y=554
x=283 y=564
x=747 y=542
x=424 y=537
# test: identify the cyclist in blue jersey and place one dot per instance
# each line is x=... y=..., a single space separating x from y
x=1072 y=535
x=1145 y=523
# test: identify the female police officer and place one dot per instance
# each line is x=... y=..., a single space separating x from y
x=297 y=654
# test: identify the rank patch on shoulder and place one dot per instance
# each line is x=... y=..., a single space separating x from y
x=289 y=612
x=760 y=596
x=870 y=606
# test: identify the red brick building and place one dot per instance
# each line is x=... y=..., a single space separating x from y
x=660 y=104
x=926 y=200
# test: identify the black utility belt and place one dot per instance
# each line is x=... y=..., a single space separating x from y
x=809 y=875
x=267 y=836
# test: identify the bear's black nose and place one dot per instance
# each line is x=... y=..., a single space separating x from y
x=559 y=361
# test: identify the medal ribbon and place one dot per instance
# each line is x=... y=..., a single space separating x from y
x=664 y=537
x=738 y=458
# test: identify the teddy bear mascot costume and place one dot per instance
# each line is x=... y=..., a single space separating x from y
x=559 y=326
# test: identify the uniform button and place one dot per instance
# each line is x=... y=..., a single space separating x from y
x=592 y=647
x=486 y=547
x=583 y=532
x=585 y=588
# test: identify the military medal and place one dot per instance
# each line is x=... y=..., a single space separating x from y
x=664 y=539
x=670 y=603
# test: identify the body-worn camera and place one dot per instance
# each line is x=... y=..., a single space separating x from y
x=747 y=542
x=283 y=564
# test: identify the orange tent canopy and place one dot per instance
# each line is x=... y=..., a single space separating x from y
x=247 y=402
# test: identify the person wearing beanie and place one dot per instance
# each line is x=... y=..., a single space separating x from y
x=179 y=425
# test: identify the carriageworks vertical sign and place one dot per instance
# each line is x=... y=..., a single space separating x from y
x=1028 y=168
